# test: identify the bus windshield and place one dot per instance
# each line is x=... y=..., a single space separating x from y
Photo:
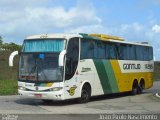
x=39 y=60
x=40 y=67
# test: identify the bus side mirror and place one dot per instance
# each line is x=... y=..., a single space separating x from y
x=11 y=57
x=61 y=58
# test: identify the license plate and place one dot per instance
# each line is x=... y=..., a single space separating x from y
x=38 y=95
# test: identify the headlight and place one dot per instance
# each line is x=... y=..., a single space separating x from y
x=55 y=89
x=21 y=88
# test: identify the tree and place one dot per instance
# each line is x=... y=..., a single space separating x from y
x=1 y=40
x=9 y=46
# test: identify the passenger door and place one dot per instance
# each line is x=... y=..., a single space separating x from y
x=71 y=83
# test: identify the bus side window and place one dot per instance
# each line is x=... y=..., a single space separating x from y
x=87 y=49
x=90 y=49
x=107 y=56
x=146 y=53
x=112 y=52
x=150 y=53
x=120 y=51
x=139 y=52
x=100 y=50
x=72 y=58
x=132 y=52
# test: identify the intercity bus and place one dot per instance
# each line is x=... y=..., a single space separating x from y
x=69 y=66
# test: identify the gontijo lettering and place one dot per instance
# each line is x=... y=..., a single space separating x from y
x=131 y=66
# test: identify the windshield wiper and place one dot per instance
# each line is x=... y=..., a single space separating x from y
x=33 y=69
x=38 y=66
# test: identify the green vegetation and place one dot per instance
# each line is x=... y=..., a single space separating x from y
x=157 y=70
x=8 y=75
x=8 y=87
x=9 y=46
x=6 y=72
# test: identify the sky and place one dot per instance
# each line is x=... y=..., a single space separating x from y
x=134 y=20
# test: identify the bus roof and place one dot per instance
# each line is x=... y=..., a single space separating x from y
x=57 y=35
x=102 y=37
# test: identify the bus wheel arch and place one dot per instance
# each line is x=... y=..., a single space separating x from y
x=85 y=93
x=135 y=87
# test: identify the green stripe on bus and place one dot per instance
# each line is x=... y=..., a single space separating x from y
x=106 y=76
x=111 y=76
x=103 y=76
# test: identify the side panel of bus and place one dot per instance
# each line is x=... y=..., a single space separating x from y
x=108 y=76
x=118 y=76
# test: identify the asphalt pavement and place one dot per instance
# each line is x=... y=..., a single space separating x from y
x=28 y=109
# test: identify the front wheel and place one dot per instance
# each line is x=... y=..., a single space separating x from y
x=85 y=94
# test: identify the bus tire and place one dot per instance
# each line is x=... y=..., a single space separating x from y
x=135 y=87
x=141 y=86
x=85 y=94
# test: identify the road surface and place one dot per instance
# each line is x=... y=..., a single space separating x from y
x=108 y=104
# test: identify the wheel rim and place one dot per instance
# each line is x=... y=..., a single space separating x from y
x=84 y=95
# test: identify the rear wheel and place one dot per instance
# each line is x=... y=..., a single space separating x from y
x=141 y=87
x=85 y=94
x=135 y=88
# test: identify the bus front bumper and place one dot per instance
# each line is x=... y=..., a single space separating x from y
x=52 y=95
